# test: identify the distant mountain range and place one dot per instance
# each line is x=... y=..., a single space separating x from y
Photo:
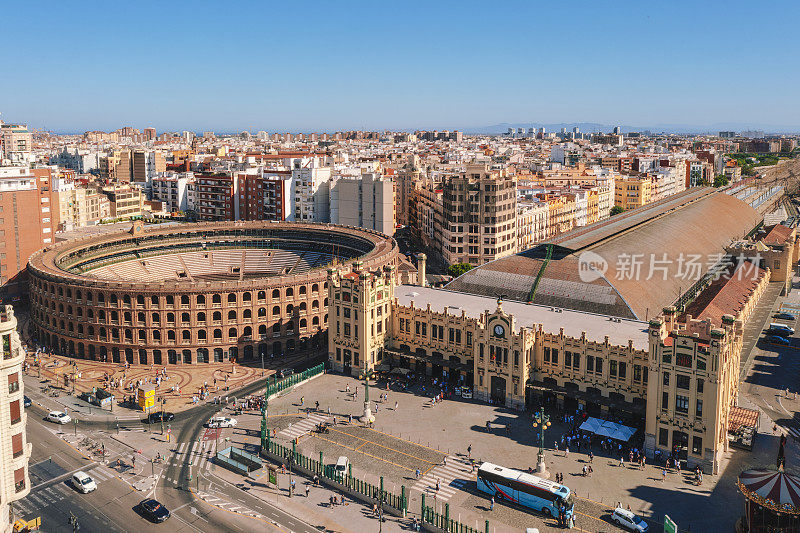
x=594 y=127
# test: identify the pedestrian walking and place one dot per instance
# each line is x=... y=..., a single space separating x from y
x=491 y=504
x=395 y=406
x=591 y=457
x=622 y=461
x=469 y=451
x=663 y=475
x=566 y=451
x=307 y=490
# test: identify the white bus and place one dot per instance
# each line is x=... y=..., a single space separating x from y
x=525 y=489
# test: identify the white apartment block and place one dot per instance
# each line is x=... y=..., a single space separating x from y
x=177 y=191
x=366 y=201
x=533 y=217
x=310 y=190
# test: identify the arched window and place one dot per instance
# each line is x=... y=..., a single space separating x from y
x=276 y=293
x=170 y=300
x=232 y=333
x=126 y=300
x=78 y=295
x=231 y=298
x=139 y=300
x=315 y=287
x=289 y=309
x=142 y=335
x=247 y=297
x=170 y=334
x=276 y=327
x=231 y=315
x=101 y=315
x=114 y=316
x=247 y=331
x=128 y=335
x=247 y=313
x=156 y=318
x=154 y=301
x=201 y=317
x=201 y=335
x=185 y=299
x=156 y=335
x=184 y=318
x=262 y=329
x=217 y=333
x=201 y=299
x=262 y=295
x=315 y=321
x=60 y=308
x=303 y=323
x=102 y=333
x=90 y=331
x=262 y=311
x=289 y=292
x=216 y=299
x=89 y=296
x=302 y=307
x=290 y=325
x=276 y=311
x=315 y=305
x=170 y=317
x=126 y=316
x=302 y=290
x=217 y=316
x=186 y=335
x=140 y=318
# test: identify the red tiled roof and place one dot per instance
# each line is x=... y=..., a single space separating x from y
x=742 y=417
x=777 y=235
x=726 y=295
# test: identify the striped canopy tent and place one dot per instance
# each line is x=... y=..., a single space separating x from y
x=772 y=499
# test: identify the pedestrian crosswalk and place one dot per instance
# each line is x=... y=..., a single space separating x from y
x=228 y=506
x=200 y=453
x=40 y=498
x=451 y=476
x=303 y=427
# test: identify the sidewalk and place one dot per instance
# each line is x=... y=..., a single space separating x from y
x=315 y=510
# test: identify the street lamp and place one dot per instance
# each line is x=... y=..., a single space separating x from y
x=163 y=401
x=543 y=421
x=366 y=376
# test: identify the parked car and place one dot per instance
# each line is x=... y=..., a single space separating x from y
x=83 y=482
x=153 y=510
x=156 y=417
x=783 y=315
x=466 y=393
x=780 y=329
x=628 y=520
x=59 y=417
x=777 y=339
x=221 y=422
x=26 y=402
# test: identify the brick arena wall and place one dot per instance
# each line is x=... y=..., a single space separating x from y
x=200 y=317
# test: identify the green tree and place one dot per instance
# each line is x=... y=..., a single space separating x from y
x=458 y=269
x=616 y=210
x=721 y=180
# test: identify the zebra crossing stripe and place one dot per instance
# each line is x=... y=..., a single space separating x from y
x=181 y=447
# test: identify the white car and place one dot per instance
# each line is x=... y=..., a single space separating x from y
x=59 y=417
x=222 y=422
x=628 y=520
x=83 y=482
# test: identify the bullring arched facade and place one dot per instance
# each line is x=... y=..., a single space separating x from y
x=202 y=313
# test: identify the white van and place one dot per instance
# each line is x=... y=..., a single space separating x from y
x=628 y=520
x=342 y=465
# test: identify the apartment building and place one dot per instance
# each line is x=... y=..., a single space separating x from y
x=28 y=220
x=561 y=212
x=216 y=194
x=632 y=192
x=15 y=144
x=145 y=165
x=310 y=190
x=176 y=191
x=14 y=446
x=80 y=207
x=365 y=201
x=81 y=161
x=264 y=195
x=533 y=219
x=478 y=215
x=126 y=201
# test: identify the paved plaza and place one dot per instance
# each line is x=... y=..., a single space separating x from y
x=433 y=439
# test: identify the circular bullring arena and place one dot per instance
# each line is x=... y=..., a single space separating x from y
x=194 y=293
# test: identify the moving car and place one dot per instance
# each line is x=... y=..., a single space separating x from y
x=158 y=416
x=153 y=510
x=59 y=417
x=83 y=482
x=26 y=402
x=780 y=329
x=628 y=520
x=777 y=339
x=221 y=422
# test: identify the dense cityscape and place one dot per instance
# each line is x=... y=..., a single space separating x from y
x=470 y=313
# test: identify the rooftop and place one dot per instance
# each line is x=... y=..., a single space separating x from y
x=574 y=323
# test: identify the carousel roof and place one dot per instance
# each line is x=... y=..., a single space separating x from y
x=773 y=489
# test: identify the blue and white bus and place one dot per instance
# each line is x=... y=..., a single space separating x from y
x=525 y=489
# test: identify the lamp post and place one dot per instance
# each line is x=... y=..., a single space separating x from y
x=367 y=417
x=163 y=401
x=542 y=421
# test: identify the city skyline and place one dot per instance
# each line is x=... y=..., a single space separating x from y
x=285 y=68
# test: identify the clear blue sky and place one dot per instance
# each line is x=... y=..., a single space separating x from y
x=307 y=66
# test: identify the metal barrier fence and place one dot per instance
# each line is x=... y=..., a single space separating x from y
x=443 y=521
x=294 y=379
x=374 y=492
